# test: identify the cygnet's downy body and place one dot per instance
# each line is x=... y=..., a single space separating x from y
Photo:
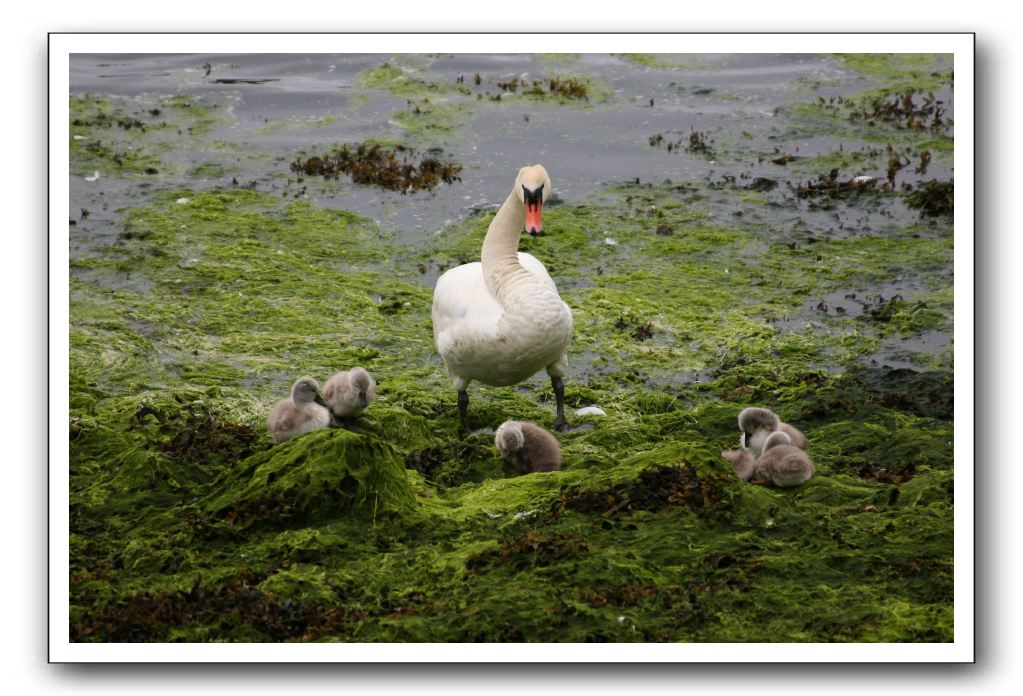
x=757 y=424
x=742 y=461
x=782 y=463
x=303 y=412
x=528 y=447
x=349 y=393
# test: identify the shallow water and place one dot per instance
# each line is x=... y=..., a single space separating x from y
x=733 y=99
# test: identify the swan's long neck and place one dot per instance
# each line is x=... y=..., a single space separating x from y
x=500 y=256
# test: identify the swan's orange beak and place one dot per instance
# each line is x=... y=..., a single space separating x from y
x=534 y=225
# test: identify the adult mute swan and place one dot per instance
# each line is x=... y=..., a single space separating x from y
x=500 y=320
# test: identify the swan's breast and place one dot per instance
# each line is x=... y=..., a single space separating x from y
x=500 y=343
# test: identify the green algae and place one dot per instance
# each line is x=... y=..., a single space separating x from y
x=887 y=108
x=188 y=523
x=436 y=112
x=432 y=120
x=901 y=71
x=123 y=138
x=322 y=475
x=663 y=61
x=212 y=170
x=403 y=80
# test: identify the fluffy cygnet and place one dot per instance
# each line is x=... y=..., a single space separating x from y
x=742 y=461
x=528 y=447
x=757 y=424
x=304 y=412
x=782 y=463
x=349 y=393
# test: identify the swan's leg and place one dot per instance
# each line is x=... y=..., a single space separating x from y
x=560 y=424
x=463 y=409
x=557 y=370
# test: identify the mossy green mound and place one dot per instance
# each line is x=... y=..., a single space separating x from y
x=312 y=478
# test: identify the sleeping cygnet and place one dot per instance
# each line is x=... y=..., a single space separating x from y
x=349 y=393
x=782 y=463
x=742 y=461
x=757 y=424
x=528 y=447
x=304 y=412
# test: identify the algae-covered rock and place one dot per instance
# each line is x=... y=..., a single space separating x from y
x=314 y=477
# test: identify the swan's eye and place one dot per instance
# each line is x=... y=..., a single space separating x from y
x=532 y=198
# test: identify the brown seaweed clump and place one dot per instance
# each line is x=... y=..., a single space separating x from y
x=234 y=605
x=196 y=434
x=830 y=186
x=568 y=87
x=903 y=111
x=531 y=550
x=655 y=488
x=900 y=110
x=933 y=198
x=695 y=143
x=698 y=142
x=394 y=168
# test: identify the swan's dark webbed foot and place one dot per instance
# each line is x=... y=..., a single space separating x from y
x=560 y=424
x=463 y=411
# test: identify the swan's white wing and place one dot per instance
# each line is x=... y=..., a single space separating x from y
x=533 y=265
x=461 y=300
x=473 y=333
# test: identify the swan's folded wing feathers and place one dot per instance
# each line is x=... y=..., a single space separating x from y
x=534 y=266
x=461 y=293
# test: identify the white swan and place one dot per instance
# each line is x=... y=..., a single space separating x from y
x=501 y=320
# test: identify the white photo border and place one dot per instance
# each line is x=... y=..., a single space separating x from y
x=960 y=45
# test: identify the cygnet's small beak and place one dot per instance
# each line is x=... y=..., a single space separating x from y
x=362 y=399
x=319 y=399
